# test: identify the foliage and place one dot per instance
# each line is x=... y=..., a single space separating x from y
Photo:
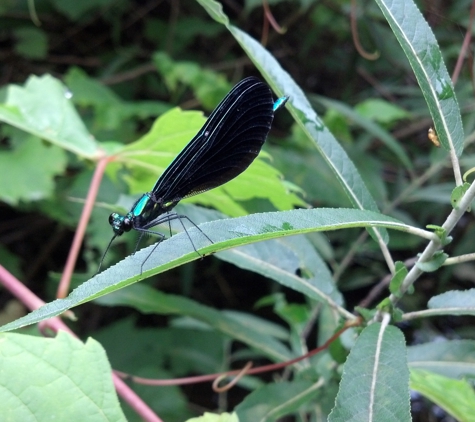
x=328 y=221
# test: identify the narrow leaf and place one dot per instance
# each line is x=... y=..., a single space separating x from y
x=451 y=358
x=372 y=127
x=456 y=397
x=215 y=10
x=455 y=302
x=149 y=301
x=225 y=234
x=304 y=115
x=421 y=48
x=273 y=401
x=282 y=260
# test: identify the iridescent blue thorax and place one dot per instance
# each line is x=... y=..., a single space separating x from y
x=145 y=210
x=140 y=212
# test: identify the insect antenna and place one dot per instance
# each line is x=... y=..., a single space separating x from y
x=104 y=255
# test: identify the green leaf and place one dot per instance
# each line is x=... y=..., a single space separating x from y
x=455 y=302
x=58 y=376
x=31 y=42
x=215 y=10
x=316 y=132
x=381 y=111
x=75 y=9
x=385 y=306
x=339 y=125
x=13 y=265
x=434 y=263
x=398 y=278
x=304 y=115
x=209 y=87
x=421 y=48
x=225 y=234
x=438 y=193
x=397 y=314
x=88 y=91
x=273 y=401
x=150 y=301
x=456 y=397
x=281 y=260
x=110 y=110
x=184 y=347
x=260 y=325
x=161 y=353
x=43 y=108
x=373 y=128
x=450 y=358
x=147 y=158
x=457 y=194
x=441 y=233
x=367 y=314
x=29 y=168
x=212 y=417
x=296 y=315
x=375 y=381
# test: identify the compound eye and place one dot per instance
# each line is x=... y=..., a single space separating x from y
x=127 y=224
x=111 y=218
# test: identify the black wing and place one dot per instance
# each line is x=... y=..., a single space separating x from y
x=224 y=147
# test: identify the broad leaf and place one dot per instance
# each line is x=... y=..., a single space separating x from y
x=110 y=110
x=60 y=376
x=42 y=161
x=43 y=108
x=375 y=382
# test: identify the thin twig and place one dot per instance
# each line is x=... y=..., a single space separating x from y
x=435 y=245
x=266 y=368
x=81 y=229
x=356 y=38
x=465 y=46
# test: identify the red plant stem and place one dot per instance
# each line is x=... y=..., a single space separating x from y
x=134 y=401
x=19 y=290
x=266 y=368
x=466 y=43
x=356 y=37
x=270 y=18
x=63 y=287
x=29 y=299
